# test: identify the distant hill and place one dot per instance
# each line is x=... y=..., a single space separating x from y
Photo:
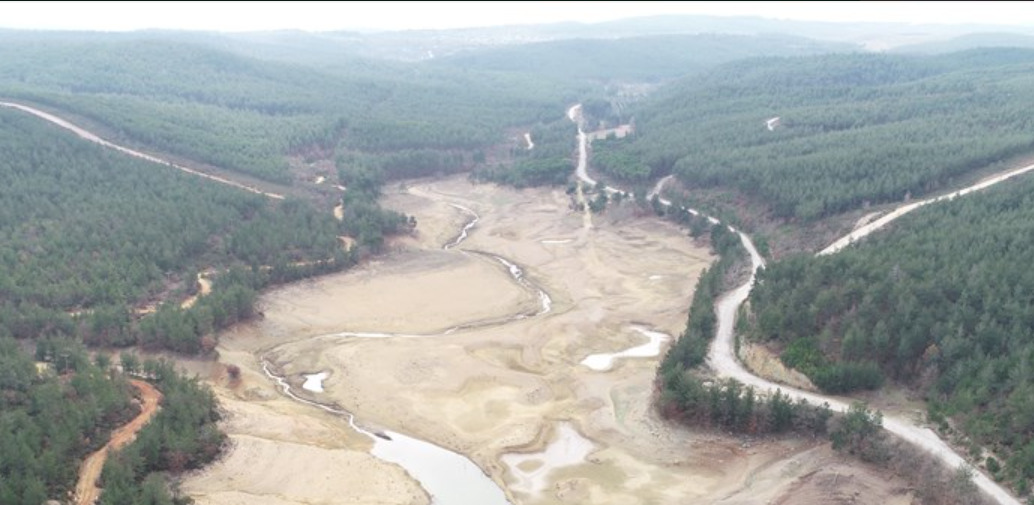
x=173 y=92
x=651 y=58
x=423 y=44
x=970 y=41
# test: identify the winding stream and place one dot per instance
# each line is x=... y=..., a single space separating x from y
x=448 y=477
x=474 y=218
x=545 y=301
x=545 y=304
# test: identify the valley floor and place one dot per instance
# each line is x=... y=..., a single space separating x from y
x=500 y=388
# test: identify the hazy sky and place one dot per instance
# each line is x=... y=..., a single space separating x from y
x=322 y=16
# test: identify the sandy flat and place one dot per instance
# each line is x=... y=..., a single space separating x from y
x=282 y=452
x=406 y=293
x=493 y=390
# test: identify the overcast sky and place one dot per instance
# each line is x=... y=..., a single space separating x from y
x=323 y=16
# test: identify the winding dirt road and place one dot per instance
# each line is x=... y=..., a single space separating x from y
x=86 y=490
x=92 y=137
x=204 y=285
x=721 y=355
x=722 y=358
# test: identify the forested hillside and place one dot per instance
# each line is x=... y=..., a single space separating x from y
x=101 y=249
x=547 y=163
x=940 y=303
x=969 y=41
x=170 y=95
x=90 y=231
x=649 y=59
x=853 y=129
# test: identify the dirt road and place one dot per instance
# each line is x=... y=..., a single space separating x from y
x=92 y=137
x=721 y=356
x=204 y=288
x=86 y=490
x=722 y=359
x=866 y=229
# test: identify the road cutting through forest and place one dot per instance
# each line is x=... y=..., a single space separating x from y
x=86 y=490
x=721 y=355
x=92 y=137
x=722 y=358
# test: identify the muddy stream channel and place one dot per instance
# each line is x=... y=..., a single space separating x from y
x=448 y=477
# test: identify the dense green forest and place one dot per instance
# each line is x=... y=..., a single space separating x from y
x=613 y=158
x=89 y=231
x=940 y=303
x=51 y=420
x=549 y=163
x=854 y=129
x=170 y=95
x=182 y=436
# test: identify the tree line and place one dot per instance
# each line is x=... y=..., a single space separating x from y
x=651 y=59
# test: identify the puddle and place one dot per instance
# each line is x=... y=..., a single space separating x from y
x=314 y=382
x=531 y=470
x=605 y=361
